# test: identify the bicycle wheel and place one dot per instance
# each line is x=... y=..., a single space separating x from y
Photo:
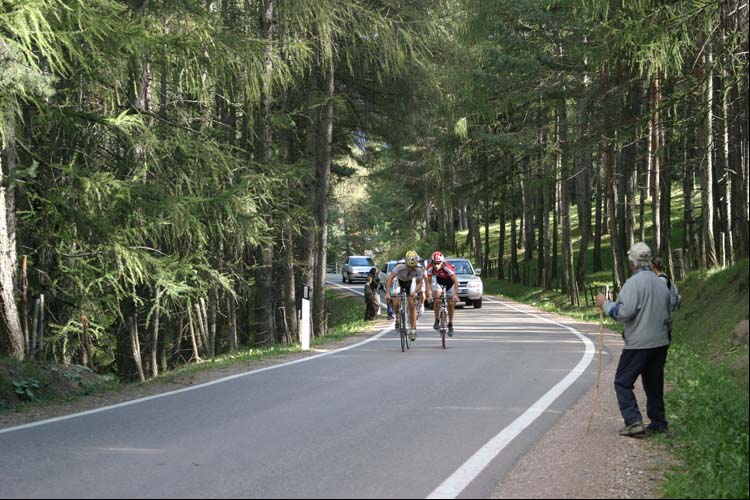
x=443 y=325
x=404 y=330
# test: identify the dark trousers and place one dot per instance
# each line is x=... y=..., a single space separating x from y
x=649 y=365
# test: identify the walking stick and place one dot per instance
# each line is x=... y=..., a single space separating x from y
x=599 y=369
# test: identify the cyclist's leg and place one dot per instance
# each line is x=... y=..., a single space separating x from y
x=412 y=306
x=436 y=294
x=451 y=303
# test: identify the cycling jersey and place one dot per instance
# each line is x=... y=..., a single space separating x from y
x=404 y=274
x=444 y=275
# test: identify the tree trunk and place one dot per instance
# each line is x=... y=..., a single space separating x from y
x=666 y=206
x=707 y=198
x=290 y=288
x=13 y=332
x=570 y=284
x=513 y=271
x=739 y=176
x=154 y=346
x=618 y=273
x=323 y=175
x=486 y=262
x=583 y=200
x=726 y=178
x=265 y=327
x=232 y=323
x=136 y=347
x=548 y=186
x=555 y=222
x=476 y=237
x=598 y=218
x=655 y=152
x=501 y=240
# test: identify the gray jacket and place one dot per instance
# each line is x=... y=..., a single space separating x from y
x=644 y=307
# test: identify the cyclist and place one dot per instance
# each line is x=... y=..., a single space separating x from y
x=445 y=275
x=405 y=273
x=422 y=264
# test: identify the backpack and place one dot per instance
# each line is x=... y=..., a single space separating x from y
x=675 y=299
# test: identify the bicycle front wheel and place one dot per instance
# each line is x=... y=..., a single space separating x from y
x=443 y=327
x=403 y=331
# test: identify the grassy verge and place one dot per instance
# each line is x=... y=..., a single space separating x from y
x=708 y=403
x=24 y=385
x=708 y=415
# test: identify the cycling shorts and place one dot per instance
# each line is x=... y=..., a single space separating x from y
x=447 y=283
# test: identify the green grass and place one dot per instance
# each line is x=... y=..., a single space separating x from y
x=708 y=404
x=708 y=416
x=713 y=303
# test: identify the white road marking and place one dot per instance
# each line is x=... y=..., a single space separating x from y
x=194 y=387
x=466 y=473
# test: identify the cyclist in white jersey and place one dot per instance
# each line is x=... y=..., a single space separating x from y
x=405 y=273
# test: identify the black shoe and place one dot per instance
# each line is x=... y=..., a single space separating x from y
x=450 y=329
x=657 y=431
x=436 y=326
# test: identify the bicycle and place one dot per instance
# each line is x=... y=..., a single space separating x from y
x=443 y=315
x=402 y=316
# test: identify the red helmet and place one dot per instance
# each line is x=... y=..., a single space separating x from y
x=438 y=257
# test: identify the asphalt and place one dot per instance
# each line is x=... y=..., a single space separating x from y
x=369 y=421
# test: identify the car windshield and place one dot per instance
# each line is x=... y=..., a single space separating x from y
x=391 y=265
x=361 y=261
x=462 y=266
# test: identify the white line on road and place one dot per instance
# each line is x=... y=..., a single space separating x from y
x=466 y=473
x=194 y=387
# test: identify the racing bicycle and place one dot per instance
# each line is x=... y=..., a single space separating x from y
x=402 y=318
x=443 y=315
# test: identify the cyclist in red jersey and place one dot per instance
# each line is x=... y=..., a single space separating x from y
x=445 y=275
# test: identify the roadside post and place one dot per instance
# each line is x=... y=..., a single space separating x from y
x=304 y=326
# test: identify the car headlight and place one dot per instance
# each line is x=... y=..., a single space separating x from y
x=475 y=284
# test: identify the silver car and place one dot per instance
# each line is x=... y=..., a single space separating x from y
x=356 y=267
x=470 y=286
x=386 y=269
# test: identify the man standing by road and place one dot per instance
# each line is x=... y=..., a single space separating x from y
x=643 y=306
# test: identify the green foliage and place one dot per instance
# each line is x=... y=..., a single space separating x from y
x=25 y=388
x=708 y=415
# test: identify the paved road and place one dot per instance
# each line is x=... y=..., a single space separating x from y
x=367 y=421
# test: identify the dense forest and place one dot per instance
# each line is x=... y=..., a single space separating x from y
x=173 y=172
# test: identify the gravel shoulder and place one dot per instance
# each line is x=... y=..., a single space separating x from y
x=566 y=463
